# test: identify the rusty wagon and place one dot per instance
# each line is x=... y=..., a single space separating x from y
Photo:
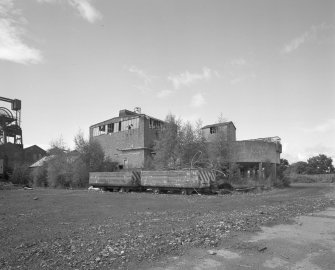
x=185 y=181
x=116 y=181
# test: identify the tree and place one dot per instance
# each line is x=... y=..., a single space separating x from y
x=320 y=164
x=168 y=146
x=90 y=152
x=282 y=167
x=200 y=158
x=299 y=167
x=221 y=118
x=57 y=146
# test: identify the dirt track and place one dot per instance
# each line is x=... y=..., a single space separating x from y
x=73 y=229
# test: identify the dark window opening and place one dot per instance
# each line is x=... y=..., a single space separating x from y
x=110 y=128
x=120 y=126
x=212 y=130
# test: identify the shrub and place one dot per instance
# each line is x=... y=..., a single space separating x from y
x=80 y=174
x=286 y=181
x=21 y=174
x=58 y=172
x=39 y=176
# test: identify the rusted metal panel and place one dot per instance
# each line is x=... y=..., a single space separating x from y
x=176 y=179
x=206 y=177
x=115 y=179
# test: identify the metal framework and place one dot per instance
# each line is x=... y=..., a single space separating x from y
x=10 y=122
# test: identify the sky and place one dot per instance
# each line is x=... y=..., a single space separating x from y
x=266 y=65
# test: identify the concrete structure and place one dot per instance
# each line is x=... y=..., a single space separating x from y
x=253 y=156
x=129 y=138
x=227 y=130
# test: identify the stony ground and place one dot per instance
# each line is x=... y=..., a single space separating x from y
x=77 y=229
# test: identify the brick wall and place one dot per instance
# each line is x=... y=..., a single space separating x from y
x=130 y=148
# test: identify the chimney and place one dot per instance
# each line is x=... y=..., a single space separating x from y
x=137 y=110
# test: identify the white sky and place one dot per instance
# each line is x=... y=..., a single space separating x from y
x=266 y=65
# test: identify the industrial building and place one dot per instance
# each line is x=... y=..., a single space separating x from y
x=12 y=152
x=129 y=138
x=251 y=155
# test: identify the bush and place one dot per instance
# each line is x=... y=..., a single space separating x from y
x=39 y=176
x=21 y=175
x=109 y=166
x=58 y=172
x=80 y=174
x=286 y=181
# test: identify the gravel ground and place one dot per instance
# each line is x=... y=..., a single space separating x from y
x=77 y=229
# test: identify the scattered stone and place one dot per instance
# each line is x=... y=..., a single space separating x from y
x=261 y=249
x=211 y=252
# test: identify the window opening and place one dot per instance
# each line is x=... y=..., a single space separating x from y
x=212 y=130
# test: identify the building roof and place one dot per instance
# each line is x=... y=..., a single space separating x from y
x=219 y=125
x=125 y=114
x=36 y=147
x=39 y=163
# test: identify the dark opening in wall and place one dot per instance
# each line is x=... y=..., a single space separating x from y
x=212 y=130
x=110 y=128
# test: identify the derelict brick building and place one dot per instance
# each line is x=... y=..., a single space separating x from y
x=129 y=138
x=250 y=155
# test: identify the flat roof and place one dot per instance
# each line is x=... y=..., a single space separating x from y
x=117 y=118
x=219 y=125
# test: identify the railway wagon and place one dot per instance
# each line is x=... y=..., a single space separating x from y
x=185 y=181
x=116 y=181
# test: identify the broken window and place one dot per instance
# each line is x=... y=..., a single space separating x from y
x=110 y=128
x=116 y=127
x=212 y=130
x=155 y=124
x=130 y=124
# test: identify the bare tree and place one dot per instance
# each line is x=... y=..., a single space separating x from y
x=168 y=148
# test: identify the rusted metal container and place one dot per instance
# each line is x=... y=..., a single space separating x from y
x=115 y=179
x=185 y=179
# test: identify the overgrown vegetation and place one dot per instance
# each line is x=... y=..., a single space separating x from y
x=21 y=174
x=182 y=145
x=65 y=168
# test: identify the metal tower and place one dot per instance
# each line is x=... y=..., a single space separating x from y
x=10 y=122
